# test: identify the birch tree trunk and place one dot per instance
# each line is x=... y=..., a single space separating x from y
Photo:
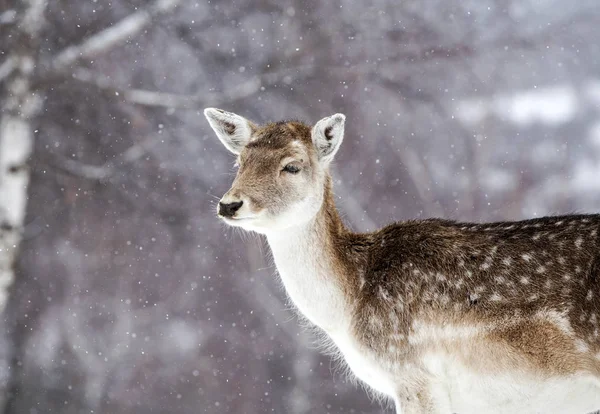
x=19 y=108
x=23 y=103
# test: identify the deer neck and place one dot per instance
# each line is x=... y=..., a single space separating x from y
x=313 y=267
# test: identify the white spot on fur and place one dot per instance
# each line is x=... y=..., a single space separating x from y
x=559 y=319
x=589 y=295
x=526 y=257
x=398 y=337
x=566 y=277
x=496 y=297
x=384 y=294
x=525 y=280
x=541 y=269
x=507 y=261
x=561 y=260
x=548 y=284
x=578 y=242
x=424 y=333
x=558 y=223
x=499 y=279
x=577 y=269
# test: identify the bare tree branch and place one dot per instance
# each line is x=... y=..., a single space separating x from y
x=170 y=100
x=100 y=172
x=137 y=96
x=108 y=38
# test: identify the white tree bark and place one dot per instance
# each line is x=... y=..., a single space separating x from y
x=20 y=106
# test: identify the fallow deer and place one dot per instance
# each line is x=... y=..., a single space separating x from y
x=440 y=316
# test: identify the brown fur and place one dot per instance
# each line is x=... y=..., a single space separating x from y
x=530 y=288
x=448 y=272
x=498 y=274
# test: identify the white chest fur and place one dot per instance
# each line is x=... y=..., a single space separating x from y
x=308 y=278
x=363 y=366
x=309 y=282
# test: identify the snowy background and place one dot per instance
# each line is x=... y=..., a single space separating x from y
x=131 y=297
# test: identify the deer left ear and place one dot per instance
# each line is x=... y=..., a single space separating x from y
x=327 y=135
x=233 y=130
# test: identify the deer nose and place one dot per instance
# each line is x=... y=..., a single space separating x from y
x=229 y=209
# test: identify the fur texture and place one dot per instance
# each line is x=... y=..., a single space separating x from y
x=440 y=316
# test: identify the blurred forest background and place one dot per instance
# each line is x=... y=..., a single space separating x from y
x=129 y=296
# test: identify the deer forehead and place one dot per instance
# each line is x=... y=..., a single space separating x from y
x=275 y=143
x=279 y=135
x=268 y=160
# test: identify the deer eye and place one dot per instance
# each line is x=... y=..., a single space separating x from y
x=292 y=169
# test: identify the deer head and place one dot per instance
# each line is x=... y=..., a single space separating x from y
x=282 y=169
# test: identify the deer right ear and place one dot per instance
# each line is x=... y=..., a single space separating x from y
x=233 y=130
x=327 y=135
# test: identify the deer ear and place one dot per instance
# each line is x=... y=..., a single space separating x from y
x=327 y=135
x=233 y=130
